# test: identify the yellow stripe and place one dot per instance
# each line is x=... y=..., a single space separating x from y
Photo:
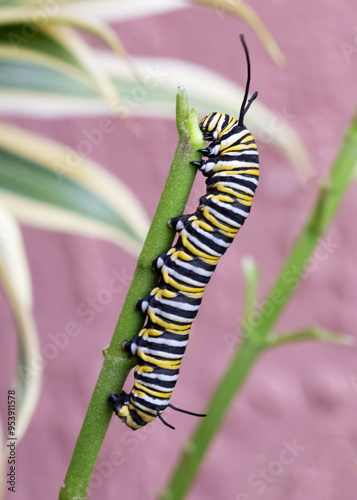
x=254 y=171
x=180 y=254
x=165 y=294
x=123 y=412
x=155 y=319
x=228 y=231
x=223 y=197
x=240 y=187
x=144 y=416
x=170 y=364
x=242 y=198
x=139 y=387
x=151 y=332
x=229 y=125
x=221 y=186
x=203 y=225
x=171 y=281
x=248 y=138
x=144 y=369
x=193 y=294
x=197 y=252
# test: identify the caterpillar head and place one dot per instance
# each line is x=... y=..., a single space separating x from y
x=213 y=124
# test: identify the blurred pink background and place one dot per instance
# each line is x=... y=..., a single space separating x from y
x=305 y=393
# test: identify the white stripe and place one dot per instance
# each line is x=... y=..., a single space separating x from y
x=210 y=236
x=145 y=408
x=223 y=218
x=155 y=401
x=229 y=206
x=235 y=187
x=160 y=376
x=246 y=152
x=197 y=270
x=171 y=342
x=239 y=153
x=232 y=163
x=235 y=137
x=244 y=177
x=146 y=350
x=153 y=386
x=179 y=305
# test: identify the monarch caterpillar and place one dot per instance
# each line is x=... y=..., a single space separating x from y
x=232 y=171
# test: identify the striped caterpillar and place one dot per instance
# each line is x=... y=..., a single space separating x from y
x=232 y=171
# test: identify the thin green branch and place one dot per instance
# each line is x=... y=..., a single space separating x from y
x=276 y=340
x=328 y=201
x=251 y=280
x=117 y=363
x=195 y=449
x=330 y=196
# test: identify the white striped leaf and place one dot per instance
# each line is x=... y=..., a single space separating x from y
x=123 y=10
x=48 y=185
x=154 y=96
x=16 y=283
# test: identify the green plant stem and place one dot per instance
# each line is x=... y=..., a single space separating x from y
x=276 y=340
x=195 y=449
x=329 y=198
x=251 y=282
x=117 y=363
x=328 y=201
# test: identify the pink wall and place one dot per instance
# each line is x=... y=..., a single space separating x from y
x=301 y=393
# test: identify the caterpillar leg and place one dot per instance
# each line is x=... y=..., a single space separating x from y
x=204 y=166
x=143 y=304
x=197 y=164
x=180 y=222
x=131 y=346
x=159 y=261
x=117 y=401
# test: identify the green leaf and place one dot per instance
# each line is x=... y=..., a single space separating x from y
x=37 y=17
x=14 y=37
x=49 y=185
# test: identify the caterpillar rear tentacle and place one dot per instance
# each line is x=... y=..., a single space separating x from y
x=232 y=170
